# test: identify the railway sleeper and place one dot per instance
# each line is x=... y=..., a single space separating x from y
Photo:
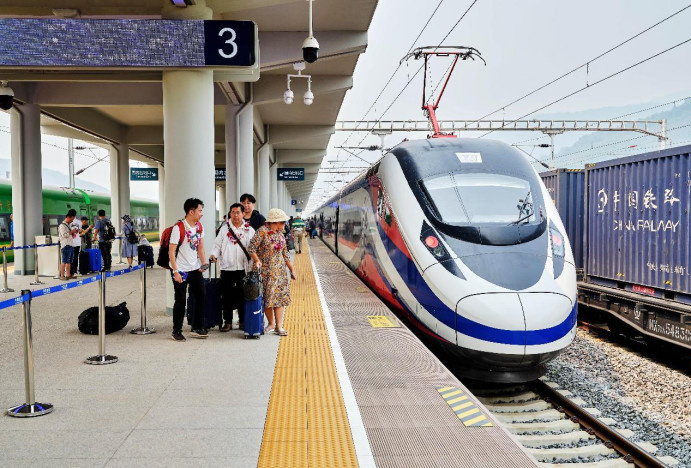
x=558 y=426
x=609 y=463
x=543 y=440
x=526 y=407
x=518 y=398
x=571 y=453
x=533 y=416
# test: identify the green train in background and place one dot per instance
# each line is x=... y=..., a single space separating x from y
x=58 y=200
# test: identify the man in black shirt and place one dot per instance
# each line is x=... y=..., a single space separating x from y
x=251 y=215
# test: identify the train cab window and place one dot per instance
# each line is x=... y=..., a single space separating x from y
x=5 y=228
x=472 y=198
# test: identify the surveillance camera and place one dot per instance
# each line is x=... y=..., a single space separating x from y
x=310 y=50
x=308 y=98
x=6 y=97
x=288 y=96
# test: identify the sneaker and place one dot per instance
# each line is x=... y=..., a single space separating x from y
x=194 y=333
x=226 y=327
x=178 y=336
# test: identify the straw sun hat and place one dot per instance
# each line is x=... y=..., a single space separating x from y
x=276 y=215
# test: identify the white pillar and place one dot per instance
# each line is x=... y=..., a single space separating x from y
x=221 y=204
x=119 y=183
x=264 y=189
x=232 y=191
x=274 y=185
x=161 y=197
x=188 y=136
x=27 y=201
x=245 y=142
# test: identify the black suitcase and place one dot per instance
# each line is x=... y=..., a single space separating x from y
x=146 y=254
x=212 y=313
x=84 y=267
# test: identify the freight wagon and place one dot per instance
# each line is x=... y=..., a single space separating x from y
x=635 y=241
x=58 y=200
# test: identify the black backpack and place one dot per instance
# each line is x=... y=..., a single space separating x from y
x=108 y=231
x=132 y=236
x=116 y=319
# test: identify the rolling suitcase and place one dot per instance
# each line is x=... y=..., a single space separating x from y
x=84 y=267
x=254 y=318
x=94 y=259
x=212 y=312
x=146 y=254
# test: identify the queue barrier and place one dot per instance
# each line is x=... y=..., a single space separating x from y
x=30 y=407
x=37 y=281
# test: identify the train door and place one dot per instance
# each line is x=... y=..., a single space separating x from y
x=338 y=210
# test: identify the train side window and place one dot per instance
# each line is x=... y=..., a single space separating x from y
x=5 y=228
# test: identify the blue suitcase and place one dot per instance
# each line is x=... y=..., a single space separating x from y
x=254 y=318
x=94 y=259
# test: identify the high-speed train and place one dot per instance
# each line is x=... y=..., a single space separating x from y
x=460 y=236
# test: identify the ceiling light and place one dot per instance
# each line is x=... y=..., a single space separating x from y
x=288 y=96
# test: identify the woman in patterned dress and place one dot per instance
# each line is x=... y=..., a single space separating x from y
x=269 y=245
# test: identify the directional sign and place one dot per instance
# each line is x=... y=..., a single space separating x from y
x=221 y=174
x=293 y=202
x=106 y=43
x=291 y=173
x=143 y=173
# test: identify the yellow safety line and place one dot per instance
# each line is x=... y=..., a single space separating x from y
x=306 y=421
x=456 y=400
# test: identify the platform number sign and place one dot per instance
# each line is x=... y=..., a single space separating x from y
x=229 y=43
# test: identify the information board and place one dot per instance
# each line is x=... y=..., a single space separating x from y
x=131 y=43
x=143 y=173
x=291 y=173
x=221 y=174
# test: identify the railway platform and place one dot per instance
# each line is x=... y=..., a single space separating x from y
x=349 y=386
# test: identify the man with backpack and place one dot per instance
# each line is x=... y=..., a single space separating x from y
x=230 y=251
x=186 y=259
x=105 y=233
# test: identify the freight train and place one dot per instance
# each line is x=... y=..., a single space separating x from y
x=628 y=221
x=460 y=237
x=58 y=200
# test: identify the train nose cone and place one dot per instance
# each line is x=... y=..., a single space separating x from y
x=492 y=318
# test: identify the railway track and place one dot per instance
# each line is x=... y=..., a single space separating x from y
x=558 y=430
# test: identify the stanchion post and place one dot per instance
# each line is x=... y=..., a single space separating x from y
x=102 y=357
x=59 y=262
x=36 y=280
x=6 y=289
x=31 y=407
x=143 y=329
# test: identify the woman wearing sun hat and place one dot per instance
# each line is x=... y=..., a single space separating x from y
x=129 y=249
x=269 y=244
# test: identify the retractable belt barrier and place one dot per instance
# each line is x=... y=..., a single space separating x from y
x=31 y=407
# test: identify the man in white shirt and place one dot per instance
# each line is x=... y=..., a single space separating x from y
x=66 y=235
x=77 y=245
x=234 y=263
x=187 y=262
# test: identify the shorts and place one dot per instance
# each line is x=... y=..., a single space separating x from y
x=67 y=254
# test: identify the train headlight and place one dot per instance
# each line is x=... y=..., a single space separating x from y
x=557 y=243
x=431 y=242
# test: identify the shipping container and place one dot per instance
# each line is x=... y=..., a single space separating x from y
x=637 y=223
x=565 y=186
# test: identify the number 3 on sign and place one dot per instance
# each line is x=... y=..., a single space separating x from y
x=230 y=41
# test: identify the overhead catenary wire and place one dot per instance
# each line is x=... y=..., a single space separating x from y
x=588 y=86
x=586 y=64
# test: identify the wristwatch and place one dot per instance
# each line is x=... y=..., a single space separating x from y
x=176 y=271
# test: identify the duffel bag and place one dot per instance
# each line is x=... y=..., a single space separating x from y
x=116 y=319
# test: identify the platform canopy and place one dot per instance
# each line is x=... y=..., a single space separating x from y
x=110 y=104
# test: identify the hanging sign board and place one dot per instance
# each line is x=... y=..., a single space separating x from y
x=143 y=173
x=291 y=173
x=126 y=43
x=221 y=174
x=293 y=202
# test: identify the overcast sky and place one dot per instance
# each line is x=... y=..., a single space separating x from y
x=526 y=44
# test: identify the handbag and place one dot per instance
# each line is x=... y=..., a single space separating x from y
x=252 y=283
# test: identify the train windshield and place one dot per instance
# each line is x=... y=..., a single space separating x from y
x=479 y=198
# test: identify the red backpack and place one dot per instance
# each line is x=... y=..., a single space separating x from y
x=163 y=257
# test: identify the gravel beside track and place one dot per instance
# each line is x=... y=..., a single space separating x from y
x=646 y=397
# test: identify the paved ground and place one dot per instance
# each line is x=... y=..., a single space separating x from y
x=199 y=403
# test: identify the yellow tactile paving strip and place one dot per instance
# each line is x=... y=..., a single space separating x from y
x=306 y=421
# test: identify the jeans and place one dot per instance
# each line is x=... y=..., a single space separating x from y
x=196 y=283
x=231 y=294
x=105 y=248
x=75 y=260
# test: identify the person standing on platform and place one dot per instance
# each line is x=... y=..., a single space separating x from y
x=312 y=226
x=86 y=233
x=77 y=244
x=130 y=241
x=298 y=233
x=105 y=233
x=251 y=215
x=269 y=245
x=234 y=263
x=66 y=235
x=187 y=264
